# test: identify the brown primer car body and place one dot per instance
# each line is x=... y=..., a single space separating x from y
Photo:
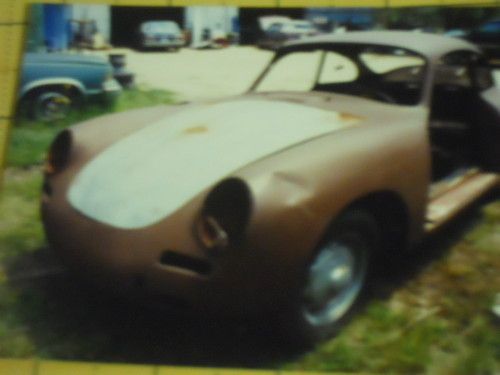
x=382 y=164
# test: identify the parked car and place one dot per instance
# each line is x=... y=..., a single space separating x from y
x=348 y=149
x=52 y=83
x=160 y=34
x=282 y=31
x=486 y=35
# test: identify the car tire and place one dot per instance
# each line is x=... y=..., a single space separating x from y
x=51 y=104
x=334 y=280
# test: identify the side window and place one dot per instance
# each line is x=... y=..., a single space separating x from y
x=453 y=92
x=483 y=77
x=337 y=68
x=452 y=75
x=453 y=70
x=386 y=60
x=464 y=70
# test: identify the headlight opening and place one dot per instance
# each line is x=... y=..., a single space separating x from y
x=59 y=151
x=224 y=215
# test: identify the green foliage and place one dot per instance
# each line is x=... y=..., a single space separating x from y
x=482 y=353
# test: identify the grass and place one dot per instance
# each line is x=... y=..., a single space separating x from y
x=432 y=317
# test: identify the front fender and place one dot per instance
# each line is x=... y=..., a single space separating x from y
x=310 y=185
x=56 y=81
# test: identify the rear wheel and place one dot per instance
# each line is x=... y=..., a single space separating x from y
x=334 y=279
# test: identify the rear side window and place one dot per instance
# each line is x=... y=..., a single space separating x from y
x=337 y=68
x=464 y=69
x=386 y=60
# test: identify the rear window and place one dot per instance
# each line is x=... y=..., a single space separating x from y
x=382 y=61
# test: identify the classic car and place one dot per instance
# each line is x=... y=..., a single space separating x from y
x=278 y=33
x=52 y=83
x=348 y=150
x=160 y=34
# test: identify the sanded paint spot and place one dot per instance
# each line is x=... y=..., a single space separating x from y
x=345 y=116
x=196 y=130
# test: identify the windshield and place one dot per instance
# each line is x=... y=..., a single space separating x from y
x=392 y=75
x=160 y=27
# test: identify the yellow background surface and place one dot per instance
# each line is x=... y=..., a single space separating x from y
x=13 y=16
x=38 y=367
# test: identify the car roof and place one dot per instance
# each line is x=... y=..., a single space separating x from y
x=430 y=45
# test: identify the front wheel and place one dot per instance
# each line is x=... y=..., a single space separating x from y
x=334 y=278
x=50 y=105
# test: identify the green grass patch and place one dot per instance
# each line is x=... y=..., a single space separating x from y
x=20 y=226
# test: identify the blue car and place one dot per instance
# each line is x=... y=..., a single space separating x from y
x=53 y=83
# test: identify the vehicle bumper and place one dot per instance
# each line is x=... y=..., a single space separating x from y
x=125 y=78
x=110 y=91
x=138 y=263
x=163 y=43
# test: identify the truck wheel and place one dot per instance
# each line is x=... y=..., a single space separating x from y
x=50 y=105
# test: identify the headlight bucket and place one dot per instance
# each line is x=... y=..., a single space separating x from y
x=224 y=215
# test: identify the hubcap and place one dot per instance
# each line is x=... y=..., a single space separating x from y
x=52 y=106
x=334 y=281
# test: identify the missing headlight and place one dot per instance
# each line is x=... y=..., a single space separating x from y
x=225 y=214
x=59 y=152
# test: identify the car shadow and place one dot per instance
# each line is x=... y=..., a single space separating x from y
x=67 y=319
x=436 y=246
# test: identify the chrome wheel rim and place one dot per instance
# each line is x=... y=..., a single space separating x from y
x=334 y=281
x=52 y=106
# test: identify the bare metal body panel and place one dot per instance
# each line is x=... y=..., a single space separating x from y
x=297 y=187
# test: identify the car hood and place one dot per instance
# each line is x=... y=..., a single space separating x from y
x=63 y=58
x=153 y=172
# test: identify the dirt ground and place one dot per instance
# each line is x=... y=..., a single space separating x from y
x=198 y=74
